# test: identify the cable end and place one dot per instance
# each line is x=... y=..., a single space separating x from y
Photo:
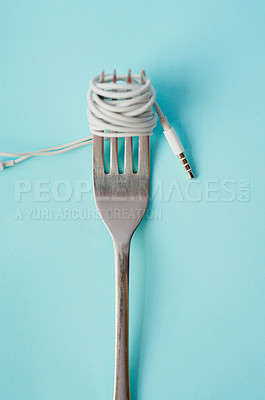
x=191 y=175
x=186 y=165
x=176 y=145
x=8 y=163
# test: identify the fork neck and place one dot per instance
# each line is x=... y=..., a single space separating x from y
x=121 y=379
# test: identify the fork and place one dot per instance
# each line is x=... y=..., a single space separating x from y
x=121 y=200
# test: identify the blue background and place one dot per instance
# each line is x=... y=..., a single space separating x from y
x=197 y=297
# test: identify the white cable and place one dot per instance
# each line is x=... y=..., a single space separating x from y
x=121 y=109
x=119 y=105
x=49 y=151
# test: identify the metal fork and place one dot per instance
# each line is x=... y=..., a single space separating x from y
x=121 y=200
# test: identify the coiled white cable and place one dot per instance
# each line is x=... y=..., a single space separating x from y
x=121 y=109
x=118 y=106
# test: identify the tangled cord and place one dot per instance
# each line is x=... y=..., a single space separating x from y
x=118 y=106
x=121 y=109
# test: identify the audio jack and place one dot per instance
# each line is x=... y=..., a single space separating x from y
x=186 y=165
x=171 y=136
x=174 y=141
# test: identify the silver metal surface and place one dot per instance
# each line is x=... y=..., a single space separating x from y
x=121 y=200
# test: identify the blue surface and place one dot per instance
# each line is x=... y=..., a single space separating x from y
x=197 y=263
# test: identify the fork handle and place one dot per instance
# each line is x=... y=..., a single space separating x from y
x=121 y=374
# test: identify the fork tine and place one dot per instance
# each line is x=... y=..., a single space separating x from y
x=128 y=155
x=144 y=158
x=114 y=155
x=98 y=154
x=143 y=77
